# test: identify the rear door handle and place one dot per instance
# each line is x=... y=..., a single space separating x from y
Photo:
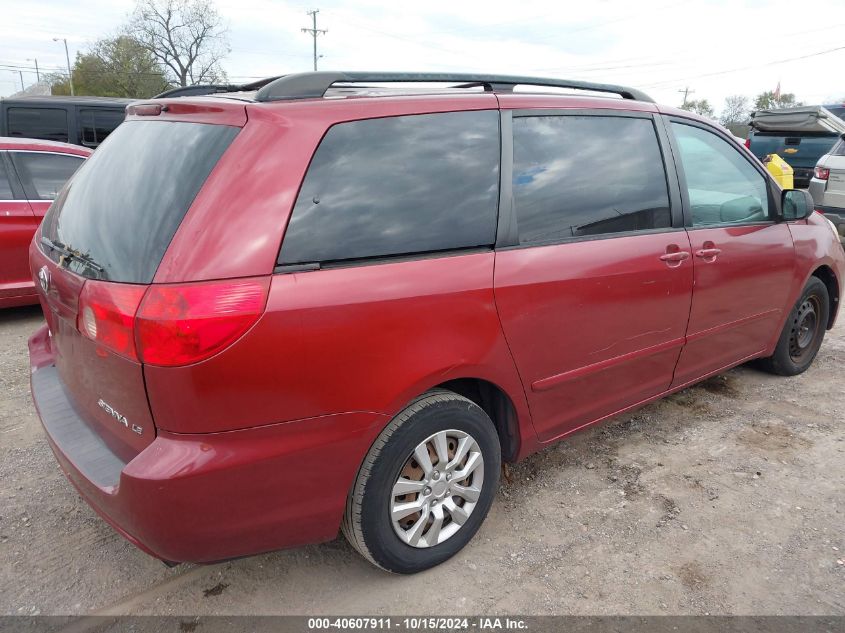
x=708 y=253
x=677 y=256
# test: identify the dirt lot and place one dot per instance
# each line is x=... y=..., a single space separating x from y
x=725 y=498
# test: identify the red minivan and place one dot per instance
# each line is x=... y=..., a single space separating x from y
x=31 y=174
x=335 y=304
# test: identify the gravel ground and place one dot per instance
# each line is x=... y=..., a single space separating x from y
x=726 y=498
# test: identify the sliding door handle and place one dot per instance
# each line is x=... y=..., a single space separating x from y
x=677 y=256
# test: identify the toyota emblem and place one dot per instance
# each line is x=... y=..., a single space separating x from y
x=44 y=278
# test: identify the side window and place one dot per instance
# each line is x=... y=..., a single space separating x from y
x=723 y=187
x=587 y=175
x=5 y=187
x=398 y=185
x=45 y=173
x=95 y=124
x=44 y=123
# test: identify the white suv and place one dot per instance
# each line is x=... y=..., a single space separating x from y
x=828 y=186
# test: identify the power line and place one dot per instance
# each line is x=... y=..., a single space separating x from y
x=31 y=68
x=595 y=25
x=314 y=31
x=81 y=72
x=412 y=41
x=648 y=58
x=736 y=70
x=600 y=68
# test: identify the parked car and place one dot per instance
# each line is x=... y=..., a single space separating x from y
x=837 y=109
x=31 y=174
x=799 y=135
x=828 y=186
x=83 y=121
x=278 y=314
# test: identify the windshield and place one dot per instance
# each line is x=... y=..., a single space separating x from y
x=116 y=217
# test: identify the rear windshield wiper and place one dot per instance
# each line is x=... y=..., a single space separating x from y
x=55 y=245
x=71 y=254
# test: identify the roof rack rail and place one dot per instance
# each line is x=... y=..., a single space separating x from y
x=313 y=85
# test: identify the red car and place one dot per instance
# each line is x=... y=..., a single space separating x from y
x=279 y=313
x=31 y=173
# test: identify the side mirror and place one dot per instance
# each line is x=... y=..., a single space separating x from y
x=796 y=204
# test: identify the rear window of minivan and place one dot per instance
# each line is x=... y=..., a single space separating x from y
x=123 y=206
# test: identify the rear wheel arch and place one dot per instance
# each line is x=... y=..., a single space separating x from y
x=497 y=404
x=803 y=332
x=490 y=397
x=828 y=277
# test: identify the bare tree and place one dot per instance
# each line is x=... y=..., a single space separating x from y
x=736 y=111
x=187 y=37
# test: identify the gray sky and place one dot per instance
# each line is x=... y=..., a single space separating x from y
x=716 y=47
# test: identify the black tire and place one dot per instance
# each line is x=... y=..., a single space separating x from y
x=367 y=522
x=803 y=332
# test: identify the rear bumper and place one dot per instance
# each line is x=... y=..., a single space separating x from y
x=209 y=497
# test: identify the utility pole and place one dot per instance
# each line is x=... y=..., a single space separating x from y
x=37 y=74
x=20 y=72
x=314 y=31
x=67 y=58
x=686 y=92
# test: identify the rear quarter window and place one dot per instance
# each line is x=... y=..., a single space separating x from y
x=398 y=185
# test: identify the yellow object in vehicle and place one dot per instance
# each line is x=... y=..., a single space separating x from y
x=780 y=169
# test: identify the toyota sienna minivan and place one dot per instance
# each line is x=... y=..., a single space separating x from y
x=332 y=304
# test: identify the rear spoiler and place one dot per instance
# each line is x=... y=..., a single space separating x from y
x=200 y=90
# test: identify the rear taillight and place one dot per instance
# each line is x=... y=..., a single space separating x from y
x=107 y=315
x=184 y=324
x=748 y=142
x=822 y=173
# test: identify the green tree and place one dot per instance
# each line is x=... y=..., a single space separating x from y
x=115 y=67
x=699 y=106
x=768 y=101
